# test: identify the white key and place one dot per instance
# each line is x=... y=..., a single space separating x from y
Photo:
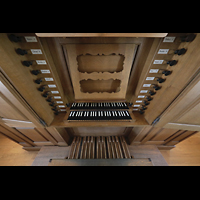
x=70 y=114
x=105 y=113
x=127 y=113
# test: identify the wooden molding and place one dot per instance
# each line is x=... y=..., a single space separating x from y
x=161 y=35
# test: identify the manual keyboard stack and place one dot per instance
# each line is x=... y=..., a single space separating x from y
x=101 y=111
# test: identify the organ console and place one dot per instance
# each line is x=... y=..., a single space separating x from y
x=62 y=88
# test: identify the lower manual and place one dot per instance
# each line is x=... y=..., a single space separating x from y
x=99 y=115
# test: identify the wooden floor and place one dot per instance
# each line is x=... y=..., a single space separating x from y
x=186 y=153
x=12 y=154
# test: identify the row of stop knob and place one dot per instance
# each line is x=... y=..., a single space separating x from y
x=181 y=51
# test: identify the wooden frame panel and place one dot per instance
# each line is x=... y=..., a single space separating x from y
x=33 y=134
x=73 y=51
x=181 y=107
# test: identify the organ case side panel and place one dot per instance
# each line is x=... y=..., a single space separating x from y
x=185 y=69
x=184 y=112
x=20 y=76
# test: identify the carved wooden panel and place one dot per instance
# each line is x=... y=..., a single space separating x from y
x=100 y=71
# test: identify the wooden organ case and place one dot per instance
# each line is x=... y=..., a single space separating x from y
x=113 y=89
